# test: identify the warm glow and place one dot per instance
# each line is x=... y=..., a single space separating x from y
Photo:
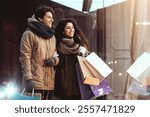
x=142 y=23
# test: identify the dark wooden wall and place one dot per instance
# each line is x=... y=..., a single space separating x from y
x=101 y=33
x=13 y=21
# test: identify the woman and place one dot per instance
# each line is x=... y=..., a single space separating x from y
x=70 y=43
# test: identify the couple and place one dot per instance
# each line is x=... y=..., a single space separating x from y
x=48 y=55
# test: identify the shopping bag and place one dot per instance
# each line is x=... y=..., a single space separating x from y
x=93 y=61
x=140 y=69
x=92 y=91
x=90 y=76
x=25 y=96
x=102 y=89
x=138 y=88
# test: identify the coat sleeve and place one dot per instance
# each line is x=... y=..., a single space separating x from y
x=25 y=55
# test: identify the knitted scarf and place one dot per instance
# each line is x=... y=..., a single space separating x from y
x=39 y=28
x=68 y=46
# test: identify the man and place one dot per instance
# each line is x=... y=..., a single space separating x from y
x=38 y=54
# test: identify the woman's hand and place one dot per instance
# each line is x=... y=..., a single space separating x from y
x=82 y=51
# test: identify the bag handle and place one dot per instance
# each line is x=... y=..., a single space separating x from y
x=23 y=92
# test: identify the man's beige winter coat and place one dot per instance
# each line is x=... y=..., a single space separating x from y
x=33 y=51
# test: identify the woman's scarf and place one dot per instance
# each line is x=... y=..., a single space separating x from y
x=68 y=46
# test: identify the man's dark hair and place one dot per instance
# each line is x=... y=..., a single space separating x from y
x=41 y=11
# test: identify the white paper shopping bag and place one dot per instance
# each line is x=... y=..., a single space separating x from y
x=140 y=66
x=98 y=64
